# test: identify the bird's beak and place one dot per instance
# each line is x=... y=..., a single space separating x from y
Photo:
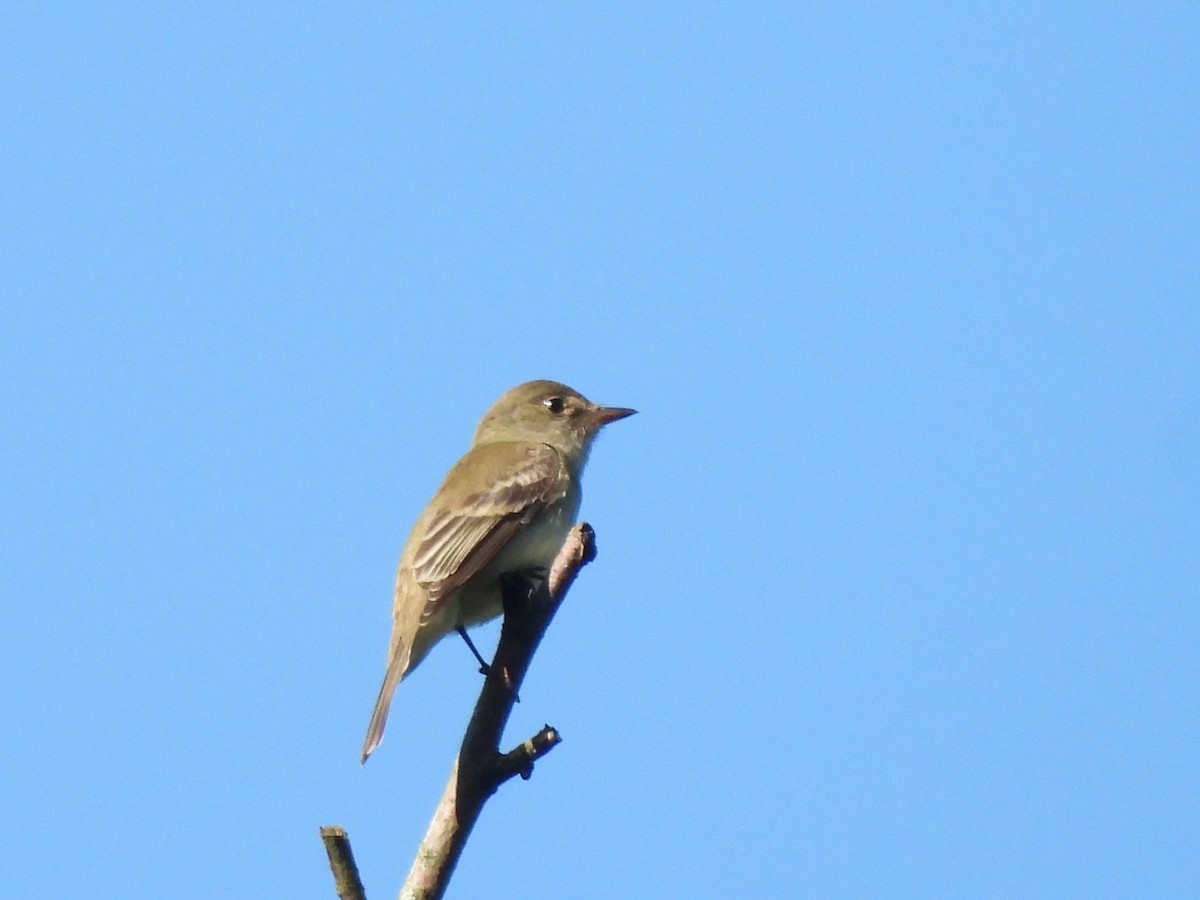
x=605 y=414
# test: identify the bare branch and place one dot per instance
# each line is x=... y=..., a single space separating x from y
x=341 y=861
x=520 y=759
x=480 y=767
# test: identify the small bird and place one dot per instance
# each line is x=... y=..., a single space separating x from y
x=504 y=509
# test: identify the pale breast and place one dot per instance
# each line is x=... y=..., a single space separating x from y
x=532 y=549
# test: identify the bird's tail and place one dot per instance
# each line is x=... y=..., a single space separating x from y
x=397 y=663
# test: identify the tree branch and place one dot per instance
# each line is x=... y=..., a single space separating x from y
x=480 y=767
x=341 y=860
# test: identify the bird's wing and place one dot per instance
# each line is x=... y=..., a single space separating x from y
x=513 y=483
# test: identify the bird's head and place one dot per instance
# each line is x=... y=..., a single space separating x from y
x=548 y=412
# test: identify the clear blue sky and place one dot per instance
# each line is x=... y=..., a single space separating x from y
x=899 y=566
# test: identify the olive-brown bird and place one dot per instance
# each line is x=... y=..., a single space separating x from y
x=505 y=508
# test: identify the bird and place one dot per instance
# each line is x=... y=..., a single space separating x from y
x=504 y=509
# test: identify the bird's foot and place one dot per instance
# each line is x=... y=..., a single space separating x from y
x=485 y=669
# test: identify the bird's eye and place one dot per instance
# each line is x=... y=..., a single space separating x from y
x=554 y=404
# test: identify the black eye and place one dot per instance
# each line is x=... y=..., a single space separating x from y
x=554 y=404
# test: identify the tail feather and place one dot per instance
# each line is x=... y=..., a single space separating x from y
x=397 y=663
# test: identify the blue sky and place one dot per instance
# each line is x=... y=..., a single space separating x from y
x=897 y=587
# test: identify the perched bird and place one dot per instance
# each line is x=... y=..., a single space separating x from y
x=505 y=508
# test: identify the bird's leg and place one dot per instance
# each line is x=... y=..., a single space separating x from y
x=516 y=588
x=484 y=668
